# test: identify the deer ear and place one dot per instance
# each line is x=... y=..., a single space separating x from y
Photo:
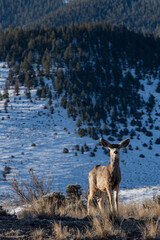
x=105 y=143
x=124 y=143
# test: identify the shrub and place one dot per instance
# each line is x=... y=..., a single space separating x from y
x=86 y=147
x=79 y=123
x=133 y=122
x=145 y=145
x=158 y=88
x=111 y=139
x=92 y=154
x=95 y=149
x=51 y=109
x=76 y=147
x=33 y=145
x=133 y=133
x=65 y=150
x=74 y=191
x=82 y=150
x=82 y=132
x=7 y=169
x=141 y=156
x=149 y=134
x=93 y=133
x=144 y=129
x=157 y=141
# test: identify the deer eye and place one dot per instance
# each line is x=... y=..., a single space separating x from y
x=116 y=151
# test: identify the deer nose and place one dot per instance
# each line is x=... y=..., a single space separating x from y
x=115 y=152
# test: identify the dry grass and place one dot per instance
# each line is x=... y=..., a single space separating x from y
x=63 y=232
x=38 y=234
x=75 y=209
x=47 y=206
x=145 y=217
x=104 y=226
x=44 y=208
x=11 y=233
x=146 y=211
x=59 y=231
x=151 y=229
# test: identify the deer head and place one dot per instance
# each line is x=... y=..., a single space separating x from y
x=115 y=148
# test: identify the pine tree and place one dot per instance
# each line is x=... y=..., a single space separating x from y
x=16 y=88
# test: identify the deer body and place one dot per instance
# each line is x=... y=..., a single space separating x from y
x=106 y=179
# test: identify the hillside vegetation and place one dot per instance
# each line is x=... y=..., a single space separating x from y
x=141 y=16
x=90 y=73
x=106 y=79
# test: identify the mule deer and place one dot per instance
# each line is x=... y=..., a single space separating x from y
x=104 y=179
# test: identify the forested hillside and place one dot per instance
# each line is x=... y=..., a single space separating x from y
x=89 y=65
x=137 y=15
x=25 y=12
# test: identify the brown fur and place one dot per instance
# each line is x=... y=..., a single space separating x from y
x=107 y=178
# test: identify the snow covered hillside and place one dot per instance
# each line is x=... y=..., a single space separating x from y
x=33 y=138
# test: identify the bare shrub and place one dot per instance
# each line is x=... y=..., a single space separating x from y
x=32 y=190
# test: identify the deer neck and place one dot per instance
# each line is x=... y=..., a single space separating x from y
x=114 y=162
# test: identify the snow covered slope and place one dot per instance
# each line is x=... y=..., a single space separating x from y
x=27 y=122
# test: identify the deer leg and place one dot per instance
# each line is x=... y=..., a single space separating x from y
x=116 y=198
x=109 y=191
x=90 y=198
x=100 y=202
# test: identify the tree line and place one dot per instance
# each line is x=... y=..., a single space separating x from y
x=137 y=15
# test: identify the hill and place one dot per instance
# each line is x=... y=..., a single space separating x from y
x=137 y=15
x=89 y=65
x=25 y=13
x=63 y=88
